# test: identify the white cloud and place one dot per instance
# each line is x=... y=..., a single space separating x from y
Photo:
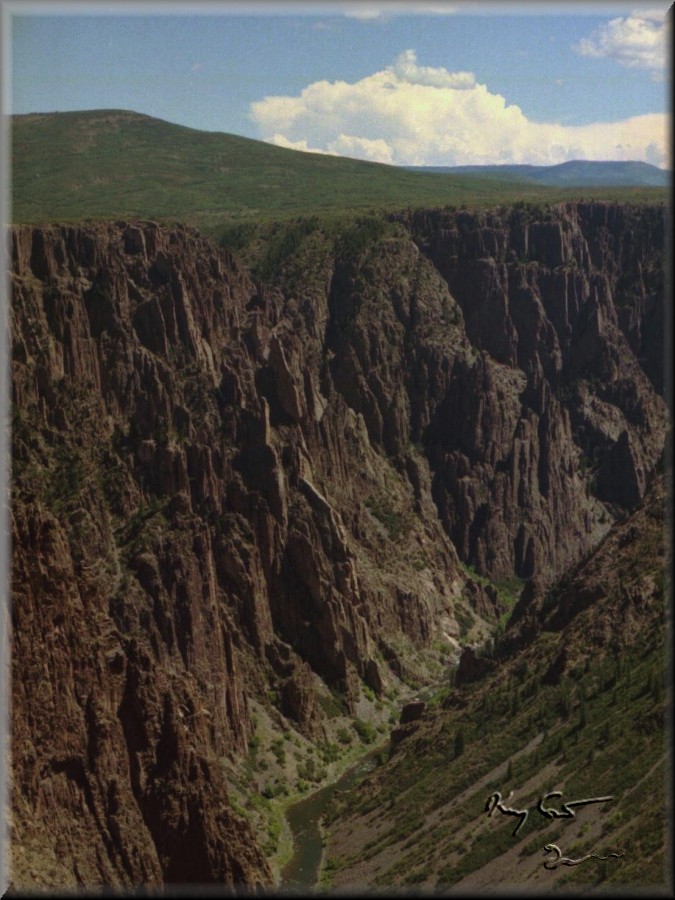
x=280 y=141
x=369 y=12
x=635 y=41
x=419 y=115
x=365 y=13
x=344 y=145
x=406 y=69
x=438 y=9
x=362 y=148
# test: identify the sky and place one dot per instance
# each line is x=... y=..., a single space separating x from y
x=424 y=83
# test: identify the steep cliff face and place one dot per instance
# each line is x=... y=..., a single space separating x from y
x=226 y=491
x=199 y=518
x=566 y=307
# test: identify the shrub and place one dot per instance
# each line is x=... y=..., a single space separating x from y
x=364 y=730
x=344 y=736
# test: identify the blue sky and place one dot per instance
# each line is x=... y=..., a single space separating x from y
x=420 y=83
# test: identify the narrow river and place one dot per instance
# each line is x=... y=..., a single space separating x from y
x=302 y=870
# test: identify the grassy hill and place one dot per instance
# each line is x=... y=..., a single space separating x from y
x=113 y=163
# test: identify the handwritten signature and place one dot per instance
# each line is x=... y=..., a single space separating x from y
x=561 y=860
x=566 y=811
x=495 y=802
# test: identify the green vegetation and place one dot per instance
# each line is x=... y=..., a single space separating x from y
x=365 y=731
x=333 y=705
x=396 y=521
x=585 y=764
x=508 y=591
x=110 y=164
x=343 y=736
x=600 y=731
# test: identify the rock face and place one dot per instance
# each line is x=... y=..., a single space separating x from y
x=560 y=410
x=472 y=667
x=412 y=711
x=222 y=490
x=198 y=518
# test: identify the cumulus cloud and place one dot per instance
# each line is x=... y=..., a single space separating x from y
x=635 y=41
x=362 y=148
x=406 y=69
x=280 y=141
x=408 y=114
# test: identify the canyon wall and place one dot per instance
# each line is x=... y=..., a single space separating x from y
x=566 y=307
x=225 y=490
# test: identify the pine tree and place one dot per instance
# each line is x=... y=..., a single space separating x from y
x=564 y=701
x=654 y=685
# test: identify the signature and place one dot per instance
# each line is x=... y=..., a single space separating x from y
x=495 y=802
x=566 y=811
x=561 y=860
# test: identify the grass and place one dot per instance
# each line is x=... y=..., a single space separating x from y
x=112 y=164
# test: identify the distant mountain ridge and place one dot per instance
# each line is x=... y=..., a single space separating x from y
x=575 y=173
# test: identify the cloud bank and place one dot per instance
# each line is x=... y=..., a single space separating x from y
x=410 y=114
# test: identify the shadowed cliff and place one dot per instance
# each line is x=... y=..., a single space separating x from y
x=228 y=491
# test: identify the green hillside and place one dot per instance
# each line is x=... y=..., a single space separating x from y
x=112 y=163
x=581 y=709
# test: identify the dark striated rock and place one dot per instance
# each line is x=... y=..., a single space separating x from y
x=412 y=711
x=472 y=667
x=621 y=479
x=556 y=670
x=373 y=677
x=558 y=412
x=223 y=489
x=399 y=734
x=184 y=537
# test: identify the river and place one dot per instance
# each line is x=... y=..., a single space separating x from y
x=304 y=817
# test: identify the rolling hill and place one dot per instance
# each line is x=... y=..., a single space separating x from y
x=575 y=173
x=106 y=164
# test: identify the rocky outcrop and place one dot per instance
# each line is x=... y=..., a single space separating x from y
x=400 y=734
x=412 y=711
x=472 y=667
x=116 y=745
